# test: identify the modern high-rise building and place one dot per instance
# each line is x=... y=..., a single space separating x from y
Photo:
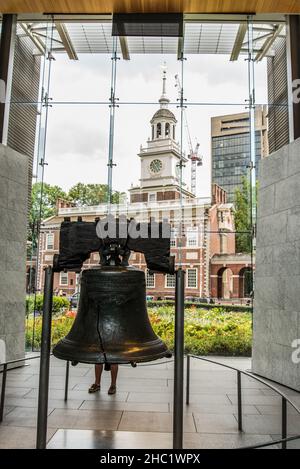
x=230 y=135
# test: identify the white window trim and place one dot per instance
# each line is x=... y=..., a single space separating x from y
x=155 y=195
x=196 y=239
x=173 y=238
x=187 y=278
x=47 y=236
x=154 y=280
x=60 y=277
x=166 y=281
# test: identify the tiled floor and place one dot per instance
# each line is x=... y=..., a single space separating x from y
x=140 y=414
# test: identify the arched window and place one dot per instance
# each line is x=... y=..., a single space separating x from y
x=173 y=132
x=152 y=132
x=158 y=130
x=167 y=131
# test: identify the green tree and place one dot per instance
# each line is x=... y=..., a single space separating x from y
x=243 y=217
x=43 y=200
x=92 y=194
x=43 y=203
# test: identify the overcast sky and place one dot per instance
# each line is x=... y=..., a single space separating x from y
x=77 y=138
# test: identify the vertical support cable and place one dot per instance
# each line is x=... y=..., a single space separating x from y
x=41 y=437
x=252 y=195
x=112 y=108
x=181 y=165
x=41 y=154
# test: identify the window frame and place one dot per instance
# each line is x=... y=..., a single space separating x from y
x=66 y=274
x=148 y=275
x=48 y=235
x=168 y=277
x=188 y=279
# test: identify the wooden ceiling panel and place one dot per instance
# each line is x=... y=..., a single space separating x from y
x=149 y=6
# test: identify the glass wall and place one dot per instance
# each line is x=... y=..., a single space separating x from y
x=176 y=132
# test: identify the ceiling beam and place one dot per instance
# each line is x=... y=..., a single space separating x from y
x=268 y=43
x=239 y=40
x=124 y=47
x=66 y=40
x=36 y=41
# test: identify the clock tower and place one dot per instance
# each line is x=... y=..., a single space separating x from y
x=160 y=158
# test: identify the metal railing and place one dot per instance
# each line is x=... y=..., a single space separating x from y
x=284 y=401
x=127 y=207
x=4 y=373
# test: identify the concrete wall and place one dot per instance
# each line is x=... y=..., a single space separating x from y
x=13 y=220
x=277 y=278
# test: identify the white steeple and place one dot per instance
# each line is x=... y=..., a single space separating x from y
x=164 y=100
x=161 y=156
x=163 y=123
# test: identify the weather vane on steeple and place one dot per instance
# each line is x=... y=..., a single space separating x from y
x=164 y=100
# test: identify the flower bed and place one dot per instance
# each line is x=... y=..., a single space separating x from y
x=207 y=332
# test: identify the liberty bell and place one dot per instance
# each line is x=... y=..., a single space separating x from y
x=112 y=324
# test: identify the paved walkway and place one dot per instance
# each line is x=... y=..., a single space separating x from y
x=140 y=414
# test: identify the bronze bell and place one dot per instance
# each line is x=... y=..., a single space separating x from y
x=112 y=323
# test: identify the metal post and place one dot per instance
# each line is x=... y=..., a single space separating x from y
x=188 y=367
x=67 y=380
x=4 y=373
x=239 y=394
x=41 y=438
x=284 y=422
x=179 y=362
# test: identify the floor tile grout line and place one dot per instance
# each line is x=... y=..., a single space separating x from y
x=118 y=426
x=194 y=421
x=79 y=408
x=230 y=401
x=10 y=410
x=26 y=393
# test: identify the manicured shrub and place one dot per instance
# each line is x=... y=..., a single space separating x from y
x=207 y=332
x=60 y=304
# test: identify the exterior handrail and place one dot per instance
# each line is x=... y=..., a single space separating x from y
x=251 y=375
x=284 y=397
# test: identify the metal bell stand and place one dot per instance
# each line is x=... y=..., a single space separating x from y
x=41 y=439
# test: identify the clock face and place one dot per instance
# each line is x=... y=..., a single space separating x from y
x=155 y=166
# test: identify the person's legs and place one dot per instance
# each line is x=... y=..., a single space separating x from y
x=98 y=372
x=113 y=373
